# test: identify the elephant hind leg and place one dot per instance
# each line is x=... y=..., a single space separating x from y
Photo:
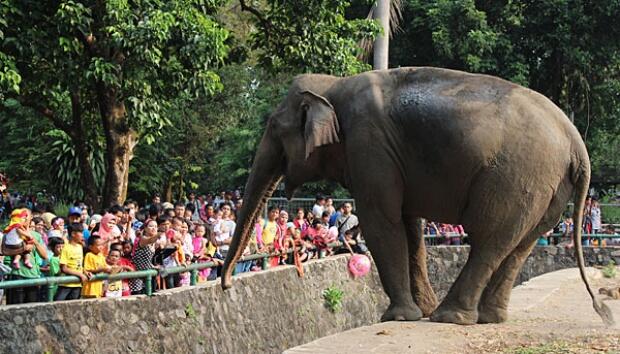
x=421 y=290
x=493 y=306
x=496 y=224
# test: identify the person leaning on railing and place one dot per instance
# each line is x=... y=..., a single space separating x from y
x=38 y=253
x=144 y=250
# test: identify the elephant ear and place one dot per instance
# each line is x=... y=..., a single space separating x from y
x=321 y=124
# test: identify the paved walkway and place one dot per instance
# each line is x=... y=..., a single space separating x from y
x=551 y=313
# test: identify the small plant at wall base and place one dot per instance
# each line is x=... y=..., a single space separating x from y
x=190 y=312
x=333 y=298
x=609 y=271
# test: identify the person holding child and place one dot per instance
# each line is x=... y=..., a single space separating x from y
x=17 y=236
x=38 y=253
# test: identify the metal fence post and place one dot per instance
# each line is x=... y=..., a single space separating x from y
x=265 y=263
x=50 y=292
x=194 y=278
x=149 y=285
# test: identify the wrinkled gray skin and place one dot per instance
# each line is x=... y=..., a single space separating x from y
x=445 y=145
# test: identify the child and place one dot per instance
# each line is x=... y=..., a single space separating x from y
x=115 y=288
x=17 y=236
x=176 y=257
x=95 y=262
x=124 y=262
x=71 y=260
x=55 y=245
x=57 y=228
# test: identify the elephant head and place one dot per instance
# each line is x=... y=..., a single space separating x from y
x=302 y=129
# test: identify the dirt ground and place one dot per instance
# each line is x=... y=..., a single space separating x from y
x=551 y=313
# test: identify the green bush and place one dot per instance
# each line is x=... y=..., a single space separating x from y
x=333 y=298
x=609 y=271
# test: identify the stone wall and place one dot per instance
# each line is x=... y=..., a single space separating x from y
x=264 y=312
x=445 y=263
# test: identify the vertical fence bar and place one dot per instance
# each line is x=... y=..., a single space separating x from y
x=50 y=292
x=194 y=278
x=149 y=285
x=265 y=263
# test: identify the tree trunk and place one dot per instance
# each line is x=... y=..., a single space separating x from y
x=168 y=191
x=382 y=42
x=87 y=178
x=120 y=143
x=78 y=136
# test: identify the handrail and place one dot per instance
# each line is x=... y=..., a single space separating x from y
x=148 y=274
x=194 y=268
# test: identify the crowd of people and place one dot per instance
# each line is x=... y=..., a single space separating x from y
x=591 y=228
x=159 y=236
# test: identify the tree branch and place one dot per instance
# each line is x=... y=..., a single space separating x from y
x=46 y=112
x=259 y=15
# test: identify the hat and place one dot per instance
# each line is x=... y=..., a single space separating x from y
x=96 y=218
x=167 y=205
x=47 y=217
x=75 y=211
x=18 y=219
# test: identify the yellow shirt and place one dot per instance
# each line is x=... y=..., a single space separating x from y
x=93 y=262
x=211 y=249
x=269 y=232
x=72 y=256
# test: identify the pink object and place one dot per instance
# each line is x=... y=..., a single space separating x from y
x=359 y=265
x=332 y=234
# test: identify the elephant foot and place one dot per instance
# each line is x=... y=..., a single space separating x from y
x=402 y=313
x=492 y=314
x=448 y=314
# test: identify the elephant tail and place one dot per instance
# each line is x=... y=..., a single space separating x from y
x=582 y=182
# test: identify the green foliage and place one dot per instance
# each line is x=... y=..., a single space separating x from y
x=609 y=271
x=311 y=36
x=65 y=169
x=333 y=298
x=81 y=62
x=60 y=208
x=190 y=312
x=567 y=50
x=22 y=149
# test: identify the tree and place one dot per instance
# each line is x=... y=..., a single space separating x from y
x=111 y=69
x=309 y=36
x=567 y=50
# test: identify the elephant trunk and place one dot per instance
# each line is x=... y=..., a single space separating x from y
x=264 y=177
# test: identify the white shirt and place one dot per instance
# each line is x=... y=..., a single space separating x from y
x=223 y=230
x=317 y=210
x=596 y=218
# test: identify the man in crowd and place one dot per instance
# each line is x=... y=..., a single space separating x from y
x=179 y=210
x=191 y=200
x=317 y=209
x=346 y=221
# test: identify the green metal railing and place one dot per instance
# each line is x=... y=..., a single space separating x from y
x=598 y=237
x=147 y=275
x=194 y=268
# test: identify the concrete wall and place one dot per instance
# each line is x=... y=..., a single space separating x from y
x=264 y=312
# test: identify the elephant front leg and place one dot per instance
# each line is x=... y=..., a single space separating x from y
x=387 y=242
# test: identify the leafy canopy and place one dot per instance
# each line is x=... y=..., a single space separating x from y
x=311 y=36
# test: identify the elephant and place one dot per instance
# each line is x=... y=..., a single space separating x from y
x=422 y=142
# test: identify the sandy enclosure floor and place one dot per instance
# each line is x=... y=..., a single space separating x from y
x=551 y=313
